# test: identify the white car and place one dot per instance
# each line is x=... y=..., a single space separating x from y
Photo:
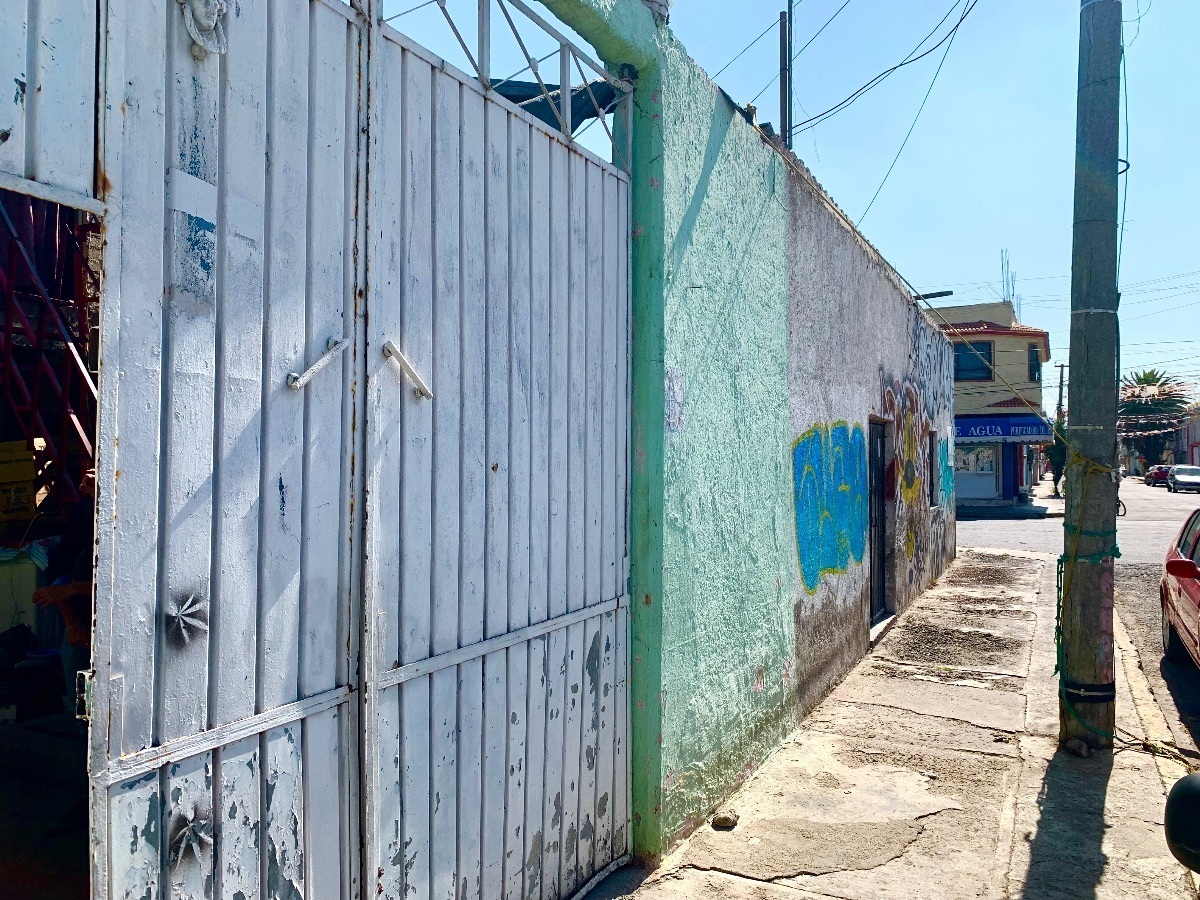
x=1183 y=478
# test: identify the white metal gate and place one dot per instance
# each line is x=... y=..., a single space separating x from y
x=496 y=359
x=224 y=751
x=272 y=490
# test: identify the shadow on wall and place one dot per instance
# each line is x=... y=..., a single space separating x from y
x=830 y=467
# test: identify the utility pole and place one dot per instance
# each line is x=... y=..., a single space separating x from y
x=1086 y=699
x=785 y=77
x=791 y=100
x=1059 y=411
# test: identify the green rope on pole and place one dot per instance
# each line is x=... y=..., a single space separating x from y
x=1060 y=663
x=1085 y=533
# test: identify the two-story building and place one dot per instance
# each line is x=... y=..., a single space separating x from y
x=998 y=416
x=1184 y=448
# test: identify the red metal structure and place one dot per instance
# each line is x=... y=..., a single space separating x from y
x=48 y=300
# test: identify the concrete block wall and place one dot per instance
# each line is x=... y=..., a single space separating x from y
x=767 y=334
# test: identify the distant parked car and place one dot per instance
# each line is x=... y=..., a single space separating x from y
x=1183 y=478
x=1157 y=475
x=1179 y=592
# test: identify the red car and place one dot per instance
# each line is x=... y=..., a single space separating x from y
x=1180 y=594
x=1157 y=475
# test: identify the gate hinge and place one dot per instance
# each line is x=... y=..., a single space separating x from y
x=83 y=694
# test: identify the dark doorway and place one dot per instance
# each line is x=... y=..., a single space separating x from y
x=877 y=529
x=49 y=305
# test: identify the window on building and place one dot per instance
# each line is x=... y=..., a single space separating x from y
x=967 y=363
x=1035 y=364
x=932 y=469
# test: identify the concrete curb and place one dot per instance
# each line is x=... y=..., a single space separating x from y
x=1154 y=723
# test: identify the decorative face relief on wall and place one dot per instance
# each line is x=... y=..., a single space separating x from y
x=203 y=21
x=830 y=472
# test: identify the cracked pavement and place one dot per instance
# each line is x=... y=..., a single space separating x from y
x=933 y=771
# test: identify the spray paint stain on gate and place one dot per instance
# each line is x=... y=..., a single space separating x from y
x=830 y=470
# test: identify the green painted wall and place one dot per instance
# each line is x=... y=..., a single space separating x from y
x=712 y=612
x=719 y=399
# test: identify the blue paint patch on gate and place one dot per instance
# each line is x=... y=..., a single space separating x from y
x=830 y=469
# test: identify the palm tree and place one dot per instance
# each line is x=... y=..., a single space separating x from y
x=1152 y=406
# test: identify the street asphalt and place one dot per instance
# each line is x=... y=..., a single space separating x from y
x=1154 y=518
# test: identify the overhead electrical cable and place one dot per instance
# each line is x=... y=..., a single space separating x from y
x=911 y=128
x=1132 y=284
x=816 y=120
x=774 y=24
x=1138 y=21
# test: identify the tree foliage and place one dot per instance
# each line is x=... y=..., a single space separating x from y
x=1056 y=452
x=1152 y=406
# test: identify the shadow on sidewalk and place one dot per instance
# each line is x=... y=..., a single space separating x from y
x=1066 y=860
x=1183 y=681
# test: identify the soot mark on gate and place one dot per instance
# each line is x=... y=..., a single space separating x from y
x=186 y=617
x=592 y=667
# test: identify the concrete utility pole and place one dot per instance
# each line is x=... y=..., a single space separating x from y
x=1087 y=609
x=785 y=78
x=1058 y=413
x=791 y=42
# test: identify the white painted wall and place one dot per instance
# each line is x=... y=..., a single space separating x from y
x=48 y=93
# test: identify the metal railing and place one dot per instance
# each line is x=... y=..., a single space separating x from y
x=42 y=372
x=584 y=92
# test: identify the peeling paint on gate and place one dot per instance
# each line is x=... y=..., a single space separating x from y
x=284 y=814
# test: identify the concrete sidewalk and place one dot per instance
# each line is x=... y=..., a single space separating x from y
x=1043 y=495
x=933 y=772
x=1042 y=505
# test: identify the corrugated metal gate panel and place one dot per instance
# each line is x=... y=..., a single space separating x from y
x=496 y=511
x=48 y=91
x=225 y=589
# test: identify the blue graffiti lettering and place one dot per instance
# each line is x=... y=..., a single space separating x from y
x=945 y=474
x=830 y=467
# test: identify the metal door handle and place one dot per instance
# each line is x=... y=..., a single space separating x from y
x=333 y=347
x=392 y=352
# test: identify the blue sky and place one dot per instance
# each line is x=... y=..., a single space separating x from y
x=990 y=163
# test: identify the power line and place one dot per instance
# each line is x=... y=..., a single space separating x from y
x=1132 y=284
x=1138 y=21
x=1050 y=300
x=1167 y=310
x=774 y=23
x=816 y=120
x=802 y=49
x=911 y=127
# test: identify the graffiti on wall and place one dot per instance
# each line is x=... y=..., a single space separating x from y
x=830 y=481
x=945 y=473
x=920 y=408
